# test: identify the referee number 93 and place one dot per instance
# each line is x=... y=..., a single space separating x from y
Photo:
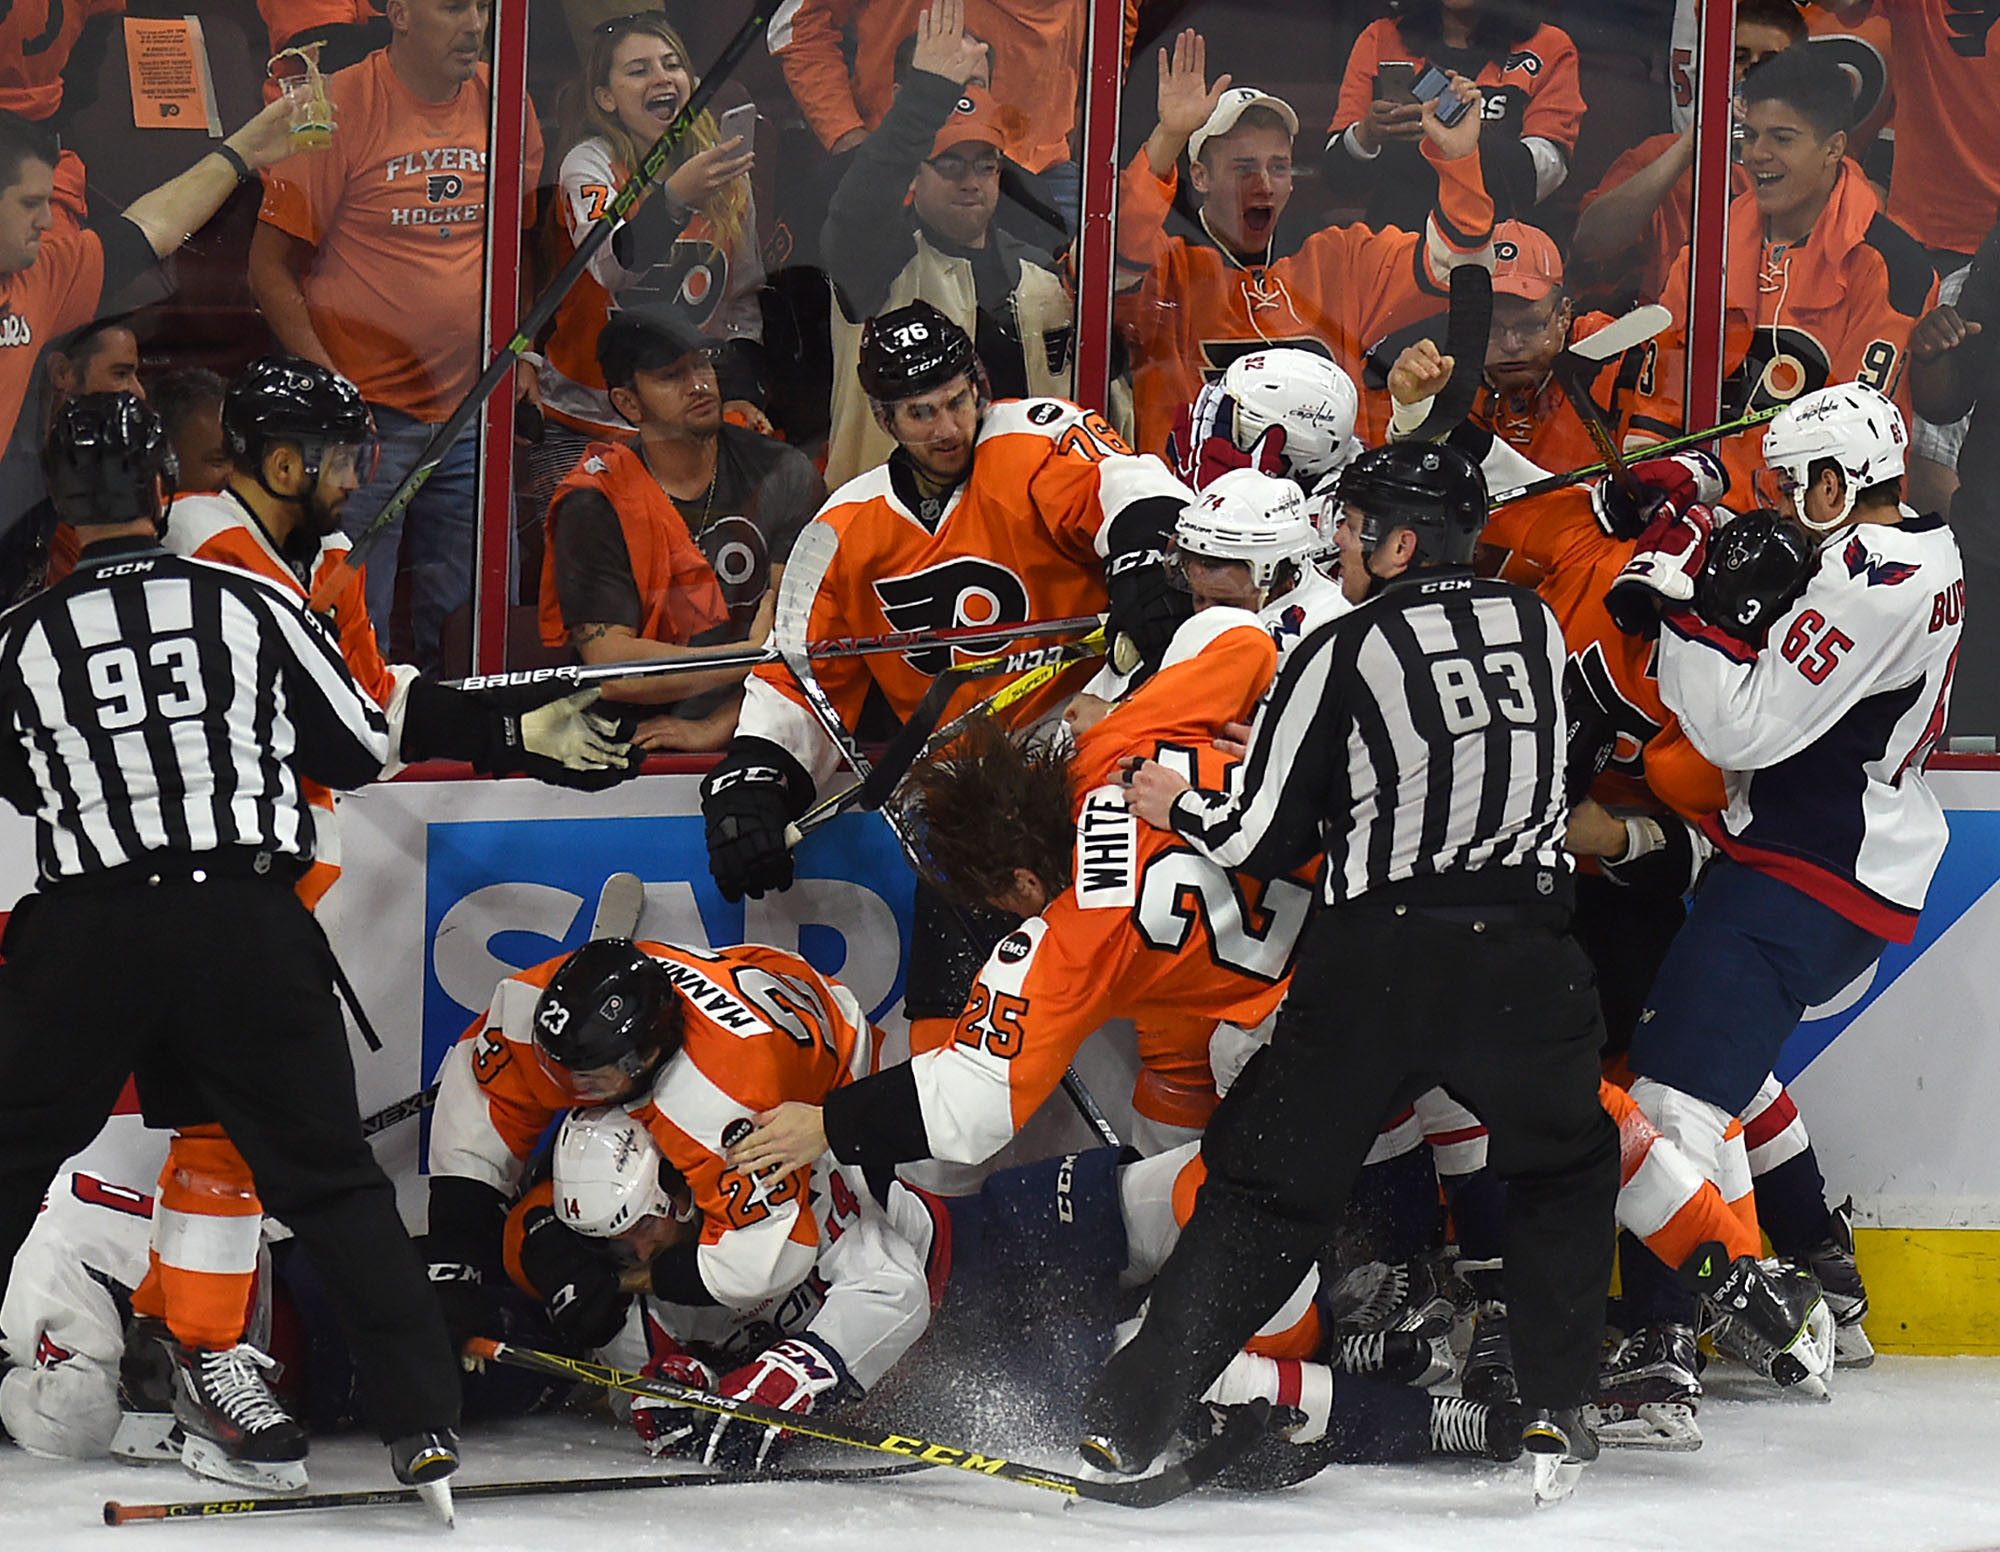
x=1468 y=694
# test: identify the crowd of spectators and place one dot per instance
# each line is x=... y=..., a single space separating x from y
x=695 y=396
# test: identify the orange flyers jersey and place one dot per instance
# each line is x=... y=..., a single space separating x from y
x=1533 y=90
x=1149 y=930
x=1837 y=308
x=1553 y=544
x=221 y=529
x=1192 y=309
x=1546 y=429
x=1024 y=537
x=36 y=38
x=759 y=1027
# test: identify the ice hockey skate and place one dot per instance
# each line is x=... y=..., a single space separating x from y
x=1560 y=1444
x=1831 y=1261
x=1421 y=1357
x=1461 y=1427
x=1648 y=1391
x=235 y=1429
x=1488 y=1374
x=426 y=1462
x=1773 y=1317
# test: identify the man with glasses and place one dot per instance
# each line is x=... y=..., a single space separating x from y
x=1533 y=323
x=912 y=220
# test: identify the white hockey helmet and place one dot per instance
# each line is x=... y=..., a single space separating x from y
x=608 y=1173
x=1856 y=426
x=1314 y=400
x=1246 y=516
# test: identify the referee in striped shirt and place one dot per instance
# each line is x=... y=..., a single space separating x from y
x=1418 y=742
x=156 y=717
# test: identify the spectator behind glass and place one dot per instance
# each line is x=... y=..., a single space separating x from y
x=690 y=248
x=1526 y=71
x=1822 y=287
x=369 y=259
x=1035 y=47
x=671 y=544
x=347 y=31
x=1636 y=222
x=189 y=404
x=1955 y=369
x=912 y=221
x=100 y=357
x=36 y=38
x=1191 y=302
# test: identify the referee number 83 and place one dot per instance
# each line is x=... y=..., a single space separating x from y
x=1468 y=694
x=120 y=685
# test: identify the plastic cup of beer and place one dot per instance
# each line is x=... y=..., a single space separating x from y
x=297 y=73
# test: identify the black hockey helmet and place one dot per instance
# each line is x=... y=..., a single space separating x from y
x=609 y=1005
x=279 y=398
x=1757 y=566
x=1430 y=488
x=911 y=350
x=106 y=460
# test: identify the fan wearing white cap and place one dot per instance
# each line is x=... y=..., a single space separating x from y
x=1222 y=288
x=1247 y=543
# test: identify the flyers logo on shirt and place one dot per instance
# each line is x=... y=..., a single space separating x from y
x=1970 y=21
x=1526 y=61
x=968 y=591
x=441 y=186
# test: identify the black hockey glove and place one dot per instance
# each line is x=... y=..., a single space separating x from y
x=468 y=1218
x=576 y=1277
x=541 y=730
x=754 y=792
x=1593 y=736
x=1146 y=608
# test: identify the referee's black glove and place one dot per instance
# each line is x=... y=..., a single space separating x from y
x=754 y=792
x=542 y=730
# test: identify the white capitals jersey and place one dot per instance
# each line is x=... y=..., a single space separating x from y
x=1821 y=734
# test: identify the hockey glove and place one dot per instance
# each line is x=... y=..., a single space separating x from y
x=1202 y=444
x=1662 y=571
x=540 y=730
x=791 y=1376
x=1593 y=736
x=1663 y=855
x=666 y=1429
x=1146 y=608
x=753 y=793
x=1668 y=484
x=576 y=1278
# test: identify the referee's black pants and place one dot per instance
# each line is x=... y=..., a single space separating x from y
x=228 y=981
x=1382 y=1004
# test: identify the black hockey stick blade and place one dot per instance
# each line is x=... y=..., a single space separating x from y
x=116 y=1513
x=1466 y=333
x=1577 y=390
x=1140 y=1493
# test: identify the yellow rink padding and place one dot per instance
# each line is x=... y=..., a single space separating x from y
x=1931 y=1290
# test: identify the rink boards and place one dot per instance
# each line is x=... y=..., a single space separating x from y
x=451 y=884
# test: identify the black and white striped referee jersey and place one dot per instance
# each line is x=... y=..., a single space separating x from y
x=151 y=703
x=1420 y=736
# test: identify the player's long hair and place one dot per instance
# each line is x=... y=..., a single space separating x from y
x=990 y=803
x=728 y=208
x=1502 y=25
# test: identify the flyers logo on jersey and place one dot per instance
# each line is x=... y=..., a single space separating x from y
x=968 y=591
x=1970 y=21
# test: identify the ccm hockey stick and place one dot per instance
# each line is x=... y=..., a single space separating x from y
x=1466 y=332
x=1677 y=444
x=116 y=1513
x=757 y=657
x=1245 y=1425
x=619 y=903
x=337 y=576
x=1577 y=363
x=812 y=554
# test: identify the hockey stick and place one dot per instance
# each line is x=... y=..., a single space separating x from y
x=619 y=903
x=812 y=554
x=1466 y=333
x=757 y=657
x=1677 y=444
x=1242 y=1429
x=1574 y=366
x=920 y=734
x=116 y=1513
x=342 y=572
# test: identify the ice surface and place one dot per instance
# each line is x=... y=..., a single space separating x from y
x=1905 y=1459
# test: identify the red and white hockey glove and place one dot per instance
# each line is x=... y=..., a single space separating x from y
x=1662 y=571
x=1669 y=485
x=666 y=1429
x=791 y=1376
x=1202 y=444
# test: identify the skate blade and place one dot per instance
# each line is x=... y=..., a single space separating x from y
x=206 y=1458
x=1556 y=1477
x=1656 y=1425
x=147 y=1437
x=438 y=1496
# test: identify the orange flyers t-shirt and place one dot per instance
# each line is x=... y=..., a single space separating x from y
x=1946 y=188
x=396 y=210
x=51 y=296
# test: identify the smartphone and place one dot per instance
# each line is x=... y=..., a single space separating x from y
x=1435 y=83
x=1392 y=80
x=739 y=120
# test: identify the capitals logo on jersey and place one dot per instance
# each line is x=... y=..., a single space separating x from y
x=1881 y=573
x=966 y=592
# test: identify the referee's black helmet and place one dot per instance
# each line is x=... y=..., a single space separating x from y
x=1430 y=488
x=108 y=460
x=284 y=399
x=911 y=350
x=609 y=1005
